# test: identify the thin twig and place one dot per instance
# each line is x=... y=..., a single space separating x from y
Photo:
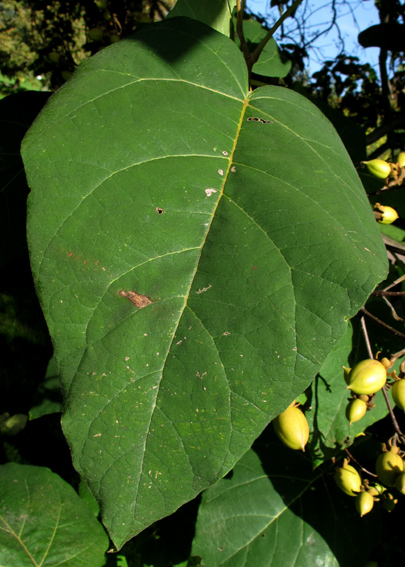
x=377 y=320
x=383 y=293
x=397 y=281
x=397 y=355
x=256 y=53
x=393 y=418
x=358 y=464
x=392 y=309
x=365 y=335
x=384 y=391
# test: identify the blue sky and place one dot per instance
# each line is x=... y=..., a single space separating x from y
x=363 y=11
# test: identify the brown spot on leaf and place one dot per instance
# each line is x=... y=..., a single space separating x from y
x=159 y=210
x=137 y=299
x=255 y=119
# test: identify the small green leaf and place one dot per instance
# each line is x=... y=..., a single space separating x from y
x=214 y=13
x=88 y=498
x=48 y=398
x=271 y=63
x=12 y=425
x=44 y=522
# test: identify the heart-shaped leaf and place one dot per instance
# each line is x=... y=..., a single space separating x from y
x=197 y=249
x=275 y=511
x=44 y=522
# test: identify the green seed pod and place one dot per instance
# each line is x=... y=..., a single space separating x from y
x=398 y=394
x=96 y=34
x=66 y=75
x=54 y=57
x=385 y=362
x=376 y=490
x=348 y=480
x=292 y=428
x=355 y=410
x=389 y=502
x=389 y=215
x=346 y=374
x=367 y=377
x=364 y=503
x=388 y=466
x=401 y=159
x=400 y=483
x=378 y=167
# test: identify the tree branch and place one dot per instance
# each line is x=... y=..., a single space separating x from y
x=388 y=126
x=256 y=53
x=387 y=327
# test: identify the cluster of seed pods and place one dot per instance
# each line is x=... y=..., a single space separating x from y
x=364 y=380
x=393 y=174
x=390 y=472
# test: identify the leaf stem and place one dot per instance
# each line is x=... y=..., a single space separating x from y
x=240 y=10
x=256 y=53
x=365 y=334
x=387 y=327
x=393 y=418
x=383 y=293
x=384 y=389
x=358 y=464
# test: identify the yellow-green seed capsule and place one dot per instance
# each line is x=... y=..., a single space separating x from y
x=355 y=410
x=389 y=466
x=389 y=215
x=96 y=34
x=292 y=428
x=389 y=502
x=398 y=394
x=385 y=362
x=376 y=490
x=400 y=483
x=364 y=503
x=348 y=480
x=378 y=167
x=54 y=57
x=367 y=377
x=346 y=374
x=401 y=159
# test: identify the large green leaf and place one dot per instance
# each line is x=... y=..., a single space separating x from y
x=44 y=522
x=197 y=249
x=275 y=511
